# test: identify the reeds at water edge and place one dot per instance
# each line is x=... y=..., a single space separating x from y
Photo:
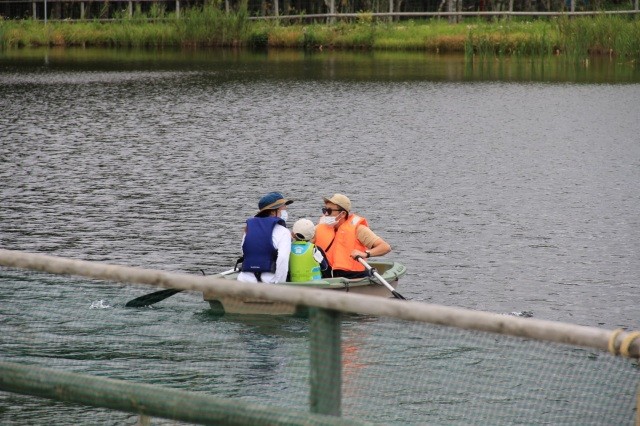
x=210 y=26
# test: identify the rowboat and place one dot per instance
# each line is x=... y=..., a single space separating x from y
x=389 y=270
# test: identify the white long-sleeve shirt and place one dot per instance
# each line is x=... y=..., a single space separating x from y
x=281 y=239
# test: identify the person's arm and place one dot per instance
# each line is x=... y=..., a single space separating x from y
x=375 y=245
x=244 y=235
x=319 y=257
x=282 y=241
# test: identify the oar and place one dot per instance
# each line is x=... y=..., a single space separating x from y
x=375 y=273
x=158 y=296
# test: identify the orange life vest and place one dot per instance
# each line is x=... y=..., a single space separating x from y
x=344 y=240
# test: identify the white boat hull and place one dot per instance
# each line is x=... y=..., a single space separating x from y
x=390 y=271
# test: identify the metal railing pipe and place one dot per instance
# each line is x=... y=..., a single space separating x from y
x=150 y=400
x=467 y=319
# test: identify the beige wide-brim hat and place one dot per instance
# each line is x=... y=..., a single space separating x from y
x=340 y=200
x=304 y=229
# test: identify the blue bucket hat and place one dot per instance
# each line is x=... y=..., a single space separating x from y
x=272 y=201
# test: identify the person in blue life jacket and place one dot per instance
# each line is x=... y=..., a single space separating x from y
x=266 y=242
x=306 y=262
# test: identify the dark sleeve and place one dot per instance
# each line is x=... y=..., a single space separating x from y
x=324 y=265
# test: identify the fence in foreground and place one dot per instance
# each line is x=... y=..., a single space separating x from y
x=395 y=362
x=307 y=10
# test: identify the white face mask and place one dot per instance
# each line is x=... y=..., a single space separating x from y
x=284 y=215
x=329 y=220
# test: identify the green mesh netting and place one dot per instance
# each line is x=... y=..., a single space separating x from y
x=393 y=372
x=419 y=373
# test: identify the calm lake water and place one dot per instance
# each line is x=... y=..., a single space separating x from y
x=505 y=186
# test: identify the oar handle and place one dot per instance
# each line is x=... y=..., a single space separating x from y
x=230 y=271
x=369 y=268
x=373 y=271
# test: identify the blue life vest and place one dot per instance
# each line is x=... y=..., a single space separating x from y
x=259 y=253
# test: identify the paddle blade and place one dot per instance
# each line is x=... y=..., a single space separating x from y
x=397 y=295
x=150 y=299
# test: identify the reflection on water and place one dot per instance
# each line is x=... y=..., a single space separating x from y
x=517 y=197
x=327 y=65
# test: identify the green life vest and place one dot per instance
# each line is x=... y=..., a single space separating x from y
x=302 y=265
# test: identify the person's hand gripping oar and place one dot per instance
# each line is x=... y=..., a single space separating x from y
x=375 y=273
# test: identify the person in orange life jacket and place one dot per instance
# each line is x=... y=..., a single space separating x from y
x=343 y=236
x=266 y=242
x=306 y=261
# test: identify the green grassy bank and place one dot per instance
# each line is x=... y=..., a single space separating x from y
x=576 y=37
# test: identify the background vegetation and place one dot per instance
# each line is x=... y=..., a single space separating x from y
x=210 y=26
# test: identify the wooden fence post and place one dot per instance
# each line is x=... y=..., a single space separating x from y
x=332 y=11
x=450 y=8
x=325 y=361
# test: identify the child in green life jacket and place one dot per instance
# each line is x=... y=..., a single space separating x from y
x=306 y=261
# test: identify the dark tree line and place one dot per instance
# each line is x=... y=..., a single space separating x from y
x=61 y=9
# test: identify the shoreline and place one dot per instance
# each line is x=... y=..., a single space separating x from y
x=577 y=38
